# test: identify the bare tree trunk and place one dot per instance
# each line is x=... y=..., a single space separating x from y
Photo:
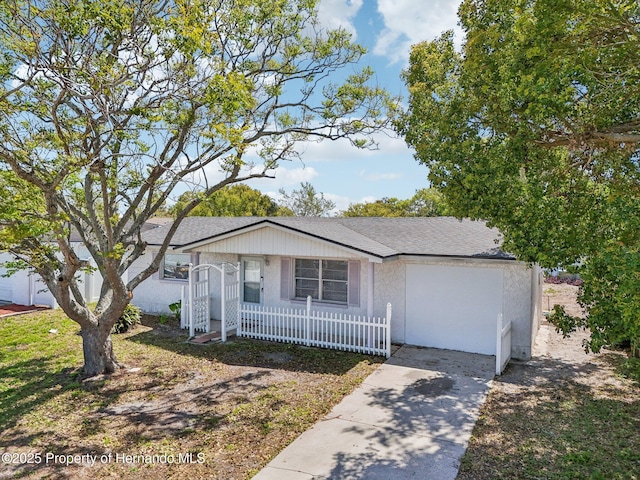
x=98 y=351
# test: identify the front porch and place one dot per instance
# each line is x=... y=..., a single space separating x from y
x=304 y=326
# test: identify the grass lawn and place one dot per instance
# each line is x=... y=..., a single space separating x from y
x=186 y=411
x=564 y=415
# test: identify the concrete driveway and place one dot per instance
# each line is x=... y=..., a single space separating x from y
x=410 y=419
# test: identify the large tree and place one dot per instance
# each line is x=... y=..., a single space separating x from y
x=426 y=202
x=306 y=202
x=106 y=106
x=238 y=200
x=535 y=126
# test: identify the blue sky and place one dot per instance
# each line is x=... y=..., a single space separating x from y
x=342 y=173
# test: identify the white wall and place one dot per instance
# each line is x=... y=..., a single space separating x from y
x=154 y=295
x=6 y=283
x=390 y=288
x=24 y=288
x=29 y=289
x=518 y=308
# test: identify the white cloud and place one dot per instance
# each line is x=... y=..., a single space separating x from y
x=343 y=151
x=379 y=176
x=339 y=13
x=408 y=22
x=284 y=178
x=294 y=176
x=342 y=202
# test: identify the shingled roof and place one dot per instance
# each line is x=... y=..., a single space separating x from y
x=380 y=237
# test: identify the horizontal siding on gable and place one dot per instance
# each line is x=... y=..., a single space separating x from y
x=270 y=241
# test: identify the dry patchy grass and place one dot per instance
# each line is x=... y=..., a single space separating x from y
x=563 y=415
x=228 y=407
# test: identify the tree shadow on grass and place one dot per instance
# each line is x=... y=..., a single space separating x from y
x=161 y=416
x=254 y=353
x=33 y=384
x=553 y=418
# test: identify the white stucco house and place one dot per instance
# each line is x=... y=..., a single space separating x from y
x=447 y=280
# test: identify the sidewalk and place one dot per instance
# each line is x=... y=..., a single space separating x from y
x=411 y=418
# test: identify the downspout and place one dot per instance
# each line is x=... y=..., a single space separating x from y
x=370 y=287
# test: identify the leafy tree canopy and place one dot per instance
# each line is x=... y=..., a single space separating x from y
x=534 y=126
x=305 y=202
x=232 y=201
x=107 y=106
x=427 y=202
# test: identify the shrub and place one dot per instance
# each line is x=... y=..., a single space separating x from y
x=130 y=316
x=565 y=278
x=176 y=309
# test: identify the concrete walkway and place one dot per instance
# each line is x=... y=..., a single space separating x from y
x=410 y=419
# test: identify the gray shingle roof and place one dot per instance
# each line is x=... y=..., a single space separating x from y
x=380 y=237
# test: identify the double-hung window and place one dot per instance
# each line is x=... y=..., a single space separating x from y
x=324 y=280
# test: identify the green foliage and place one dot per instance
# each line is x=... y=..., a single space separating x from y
x=176 y=309
x=305 y=202
x=233 y=201
x=130 y=317
x=630 y=368
x=535 y=127
x=427 y=202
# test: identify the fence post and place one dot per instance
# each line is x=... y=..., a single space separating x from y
x=307 y=334
x=192 y=330
x=183 y=307
x=388 y=332
x=499 y=345
x=237 y=294
x=223 y=304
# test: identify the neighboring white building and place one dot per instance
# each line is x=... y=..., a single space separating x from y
x=26 y=288
x=447 y=280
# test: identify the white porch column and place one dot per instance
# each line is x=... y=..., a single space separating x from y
x=370 y=286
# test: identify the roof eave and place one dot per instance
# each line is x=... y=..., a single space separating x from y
x=460 y=258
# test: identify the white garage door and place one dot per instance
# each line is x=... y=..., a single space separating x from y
x=5 y=288
x=453 y=307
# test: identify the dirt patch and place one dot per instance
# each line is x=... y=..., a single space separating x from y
x=561 y=294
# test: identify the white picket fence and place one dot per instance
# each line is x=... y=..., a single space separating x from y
x=354 y=333
x=503 y=344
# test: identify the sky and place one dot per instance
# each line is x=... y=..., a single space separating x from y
x=339 y=171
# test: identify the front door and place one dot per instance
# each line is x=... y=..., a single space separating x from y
x=252 y=280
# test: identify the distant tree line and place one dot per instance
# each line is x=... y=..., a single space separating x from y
x=241 y=201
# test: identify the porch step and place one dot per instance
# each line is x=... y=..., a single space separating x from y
x=206 y=338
